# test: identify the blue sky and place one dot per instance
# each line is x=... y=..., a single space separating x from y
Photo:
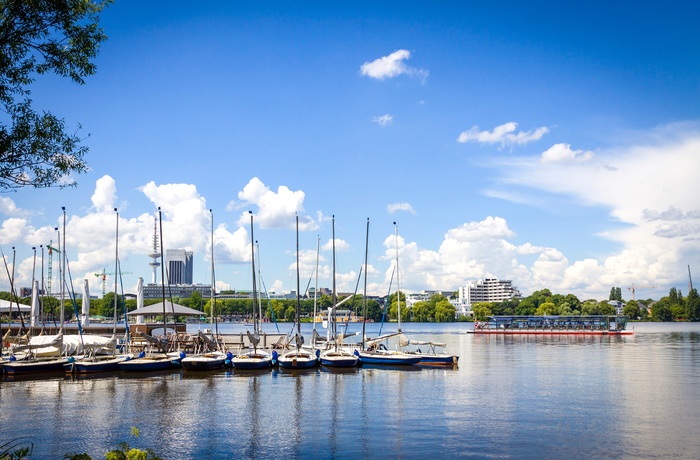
x=552 y=144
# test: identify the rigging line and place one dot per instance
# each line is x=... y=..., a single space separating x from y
x=12 y=289
x=71 y=296
x=386 y=303
x=354 y=297
x=269 y=304
x=121 y=284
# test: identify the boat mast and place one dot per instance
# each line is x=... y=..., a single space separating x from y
x=212 y=300
x=63 y=271
x=318 y=244
x=398 y=285
x=252 y=263
x=364 y=295
x=335 y=298
x=258 y=300
x=162 y=274
x=116 y=271
x=298 y=340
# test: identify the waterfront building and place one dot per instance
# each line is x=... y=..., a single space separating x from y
x=485 y=290
x=179 y=263
x=155 y=291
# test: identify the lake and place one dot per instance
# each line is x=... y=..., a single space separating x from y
x=511 y=397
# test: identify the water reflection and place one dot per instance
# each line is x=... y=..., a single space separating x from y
x=522 y=398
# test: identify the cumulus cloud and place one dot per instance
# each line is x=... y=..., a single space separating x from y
x=8 y=207
x=391 y=66
x=504 y=135
x=383 y=120
x=563 y=152
x=402 y=206
x=105 y=194
x=340 y=245
x=639 y=185
x=275 y=209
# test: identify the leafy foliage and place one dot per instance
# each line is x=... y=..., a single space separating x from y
x=38 y=37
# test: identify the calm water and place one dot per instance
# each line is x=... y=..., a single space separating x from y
x=511 y=397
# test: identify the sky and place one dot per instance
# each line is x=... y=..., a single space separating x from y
x=552 y=144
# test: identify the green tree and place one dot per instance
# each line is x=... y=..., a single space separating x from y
x=604 y=308
x=36 y=37
x=631 y=309
x=444 y=311
x=692 y=306
x=546 y=308
x=481 y=311
x=661 y=310
x=421 y=312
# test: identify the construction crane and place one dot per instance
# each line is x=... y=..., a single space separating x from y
x=633 y=288
x=104 y=276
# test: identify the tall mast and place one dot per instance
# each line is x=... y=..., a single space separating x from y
x=364 y=295
x=162 y=273
x=298 y=293
x=252 y=263
x=333 y=328
x=116 y=269
x=211 y=297
x=398 y=285
x=63 y=272
x=318 y=244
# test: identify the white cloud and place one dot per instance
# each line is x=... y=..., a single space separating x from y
x=105 y=194
x=504 y=134
x=391 y=66
x=383 y=120
x=8 y=207
x=563 y=152
x=340 y=245
x=275 y=210
x=402 y=206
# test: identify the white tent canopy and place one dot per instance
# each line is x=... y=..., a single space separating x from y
x=170 y=309
x=5 y=307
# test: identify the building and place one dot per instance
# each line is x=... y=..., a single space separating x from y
x=155 y=291
x=485 y=290
x=179 y=263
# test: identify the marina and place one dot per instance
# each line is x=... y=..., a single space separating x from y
x=631 y=393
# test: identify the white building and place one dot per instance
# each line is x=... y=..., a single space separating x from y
x=485 y=290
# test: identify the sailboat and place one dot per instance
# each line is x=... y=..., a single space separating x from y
x=213 y=358
x=162 y=360
x=94 y=361
x=430 y=355
x=43 y=354
x=253 y=358
x=336 y=355
x=298 y=358
x=375 y=351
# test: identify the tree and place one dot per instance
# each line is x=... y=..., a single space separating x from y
x=38 y=38
x=615 y=294
x=661 y=310
x=481 y=311
x=631 y=309
x=444 y=311
x=692 y=305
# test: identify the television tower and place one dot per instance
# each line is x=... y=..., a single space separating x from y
x=155 y=253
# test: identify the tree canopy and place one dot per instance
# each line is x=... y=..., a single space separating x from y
x=39 y=37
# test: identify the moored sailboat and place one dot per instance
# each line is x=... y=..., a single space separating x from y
x=253 y=358
x=298 y=358
x=94 y=361
x=375 y=351
x=336 y=355
x=213 y=358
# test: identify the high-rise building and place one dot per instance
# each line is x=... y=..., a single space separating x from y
x=486 y=290
x=179 y=263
